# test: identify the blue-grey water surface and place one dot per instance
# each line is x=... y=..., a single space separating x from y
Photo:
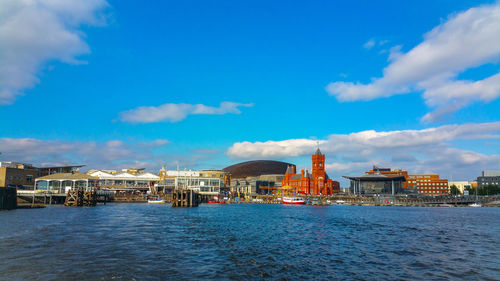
x=241 y=242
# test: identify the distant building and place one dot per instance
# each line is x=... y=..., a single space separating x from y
x=461 y=185
x=62 y=182
x=390 y=173
x=262 y=185
x=428 y=184
x=376 y=184
x=207 y=182
x=489 y=177
x=316 y=182
x=256 y=177
x=44 y=171
x=127 y=180
x=20 y=175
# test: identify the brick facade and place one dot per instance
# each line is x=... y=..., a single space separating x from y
x=314 y=183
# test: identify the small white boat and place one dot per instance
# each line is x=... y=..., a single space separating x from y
x=475 y=205
x=156 y=201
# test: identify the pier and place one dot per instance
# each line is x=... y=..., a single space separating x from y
x=185 y=198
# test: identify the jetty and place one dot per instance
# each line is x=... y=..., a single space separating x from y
x=185 y=198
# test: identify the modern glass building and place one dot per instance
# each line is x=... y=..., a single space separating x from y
x=376 y=184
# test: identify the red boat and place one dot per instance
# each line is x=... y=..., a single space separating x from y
x=216 y=202
x=293 y=201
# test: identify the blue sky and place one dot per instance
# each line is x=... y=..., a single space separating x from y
x=124 y=83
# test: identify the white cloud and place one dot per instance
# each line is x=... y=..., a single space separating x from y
x=369 y=44
x=111 y=154
x=426 y=150
x=372 y=43
x=33 y=32
x=466 y=40
x=175 y=112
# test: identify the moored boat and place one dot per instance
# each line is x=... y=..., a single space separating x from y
x=156 y=201
x=216 y=202
x=293 y=201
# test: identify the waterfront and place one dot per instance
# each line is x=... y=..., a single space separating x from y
x=245 y=241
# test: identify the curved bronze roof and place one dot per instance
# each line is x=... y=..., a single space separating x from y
x=257 y=168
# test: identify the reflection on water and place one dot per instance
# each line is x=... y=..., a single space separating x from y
x=150 y=242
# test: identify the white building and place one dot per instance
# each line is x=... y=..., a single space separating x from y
x=124 y=181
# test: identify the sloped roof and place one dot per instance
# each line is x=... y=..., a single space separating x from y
x=101 y=174
x=67 y=176
x=124 y=176
x=149 y=176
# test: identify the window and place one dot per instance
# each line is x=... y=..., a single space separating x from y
x=29 y=178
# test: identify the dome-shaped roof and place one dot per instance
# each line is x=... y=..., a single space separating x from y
x=256 y=168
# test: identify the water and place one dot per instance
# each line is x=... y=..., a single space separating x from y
x=241 y=242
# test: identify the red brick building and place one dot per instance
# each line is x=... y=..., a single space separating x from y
x=316 y=182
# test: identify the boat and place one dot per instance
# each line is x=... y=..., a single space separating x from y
x=216 y=202
x=156 y=201
x=475 y=204
x=314 y=202
x=293 y=201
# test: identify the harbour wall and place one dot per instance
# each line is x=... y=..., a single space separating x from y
x=8 y=198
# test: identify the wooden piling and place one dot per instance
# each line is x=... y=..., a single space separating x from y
x=80 y=197
x=185 y=198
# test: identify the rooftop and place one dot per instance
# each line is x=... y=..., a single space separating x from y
x=375 y=178
x=67 y=176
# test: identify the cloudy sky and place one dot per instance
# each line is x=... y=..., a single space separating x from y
x=205 y=84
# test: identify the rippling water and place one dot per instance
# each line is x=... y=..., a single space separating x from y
x=151 y=242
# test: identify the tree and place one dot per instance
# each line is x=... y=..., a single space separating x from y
x=471 y=190
x=454 y=190
x=489 y=189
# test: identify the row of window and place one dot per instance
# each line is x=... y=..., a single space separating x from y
x=419 y=177
x=432 y=192
x=420 y=181
x=29 y=178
